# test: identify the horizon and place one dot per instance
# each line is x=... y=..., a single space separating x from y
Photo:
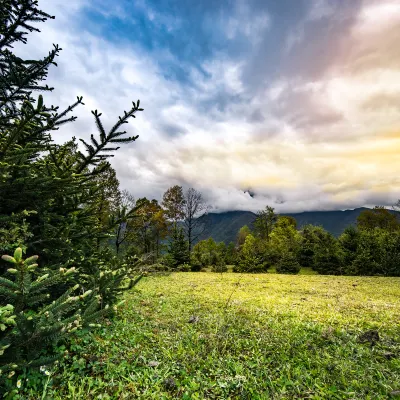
x=250 y=102
x=212 y=211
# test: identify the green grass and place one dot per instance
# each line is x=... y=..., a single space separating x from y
x=266 y=336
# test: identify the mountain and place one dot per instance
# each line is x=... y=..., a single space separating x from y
x=223 y=227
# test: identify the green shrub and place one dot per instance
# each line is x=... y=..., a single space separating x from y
x=184 y=268
x=195 y=263
x=219 y=268
x=288 y=264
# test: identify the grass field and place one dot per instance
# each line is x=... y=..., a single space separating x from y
x=263 y=336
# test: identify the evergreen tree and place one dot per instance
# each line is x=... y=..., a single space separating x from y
x=308 y=242
x=328 y=255
x=25 y=290
x=377 y=253
x=230 y=255
x=390 y=254
x=50 y=185
x=349 y=241
x=46 y=203
x=288 y=264
x=178 y=250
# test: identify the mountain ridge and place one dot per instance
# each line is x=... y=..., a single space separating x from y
x=224 y=226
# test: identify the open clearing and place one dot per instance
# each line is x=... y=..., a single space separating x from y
x=264 y=336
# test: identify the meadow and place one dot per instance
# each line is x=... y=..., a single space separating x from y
x=241 y=336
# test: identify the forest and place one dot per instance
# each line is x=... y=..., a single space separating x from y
x=75 y=246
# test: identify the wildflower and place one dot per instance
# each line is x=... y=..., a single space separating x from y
x=18 y=383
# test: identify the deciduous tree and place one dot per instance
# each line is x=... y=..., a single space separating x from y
x=173 y=203
x=194 y=207
x=265 y=222
x=378 y=217
x=244 y=231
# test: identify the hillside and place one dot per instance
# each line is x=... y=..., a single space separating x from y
x=223 y=227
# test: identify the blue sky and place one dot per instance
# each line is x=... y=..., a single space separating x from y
x=296 y=101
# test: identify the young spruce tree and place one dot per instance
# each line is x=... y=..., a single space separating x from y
x=46 y=206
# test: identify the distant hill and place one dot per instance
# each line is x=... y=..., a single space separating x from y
x=223 y=227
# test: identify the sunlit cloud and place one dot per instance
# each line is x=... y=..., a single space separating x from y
x=304 y=115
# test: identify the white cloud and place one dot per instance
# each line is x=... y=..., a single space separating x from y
x=297 y=156
x=377 y=16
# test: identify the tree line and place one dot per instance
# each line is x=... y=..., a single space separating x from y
x=371 y=247
x=166 y=236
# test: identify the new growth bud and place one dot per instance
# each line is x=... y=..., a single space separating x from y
x=8 y=258
x=18 y=254
x=12 y=271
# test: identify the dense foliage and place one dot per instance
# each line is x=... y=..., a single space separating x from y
x=370 y=248
x=208 y=253
x=59 y=205
x=288 y=264
x=178 y=251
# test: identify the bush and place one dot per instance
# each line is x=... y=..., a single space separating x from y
x=288 y=264
x=184 y=268
x=208 y=253
x=196 y=264
x=328 y=256
x=328 y=263
x=158 y=267
x=219 y=268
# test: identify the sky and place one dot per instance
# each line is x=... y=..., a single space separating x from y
x=291 y=103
